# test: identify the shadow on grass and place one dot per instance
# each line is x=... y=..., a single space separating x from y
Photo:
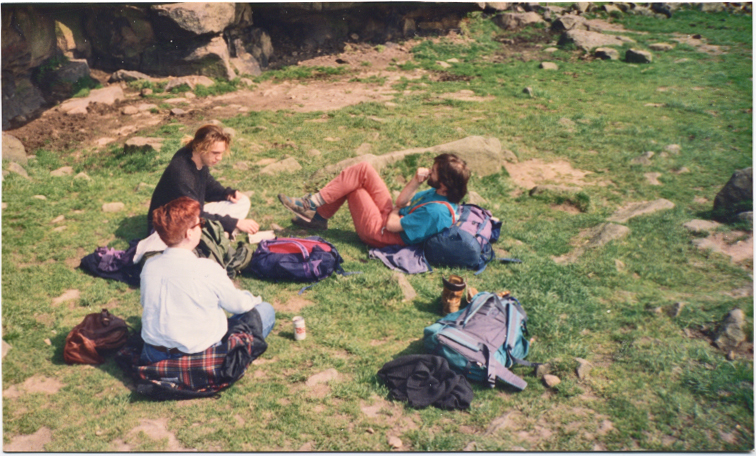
x=131 y=228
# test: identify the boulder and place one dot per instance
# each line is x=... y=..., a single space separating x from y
x=661 y=47
x=514 y=21
x=13 y=149
x=484 y=156
x=638 y=56
x=28 y=39
x=568 y=22
x=70 y=71
x=119 y=35
x=107 y=96
x=199 y=18
x=69 y=31
x=583 y=369
x=21 y=100
x=246 y=65
x=62 y=171
x=736 y=196
x=730 y=333
x=548 y=66
x=126 y=75
x=587 y=40
x=18 y=169
x=495 y=6
x=196 y=57
x=582 y=7
x=711 y=7
x=610 y=8
x=191 y=81
x=475 y=198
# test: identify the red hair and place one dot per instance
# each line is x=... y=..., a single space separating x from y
x=173 y=220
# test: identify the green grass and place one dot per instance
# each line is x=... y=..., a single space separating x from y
x=656 y=379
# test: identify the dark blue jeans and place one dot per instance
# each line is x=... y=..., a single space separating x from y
x=152 y=355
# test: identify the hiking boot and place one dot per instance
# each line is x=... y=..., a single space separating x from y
x=299 y=206
x=454 y=288
x=314 y=224
x=471 y=292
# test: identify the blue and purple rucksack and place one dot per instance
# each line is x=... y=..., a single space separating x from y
x=467 y=243
x=309 y=259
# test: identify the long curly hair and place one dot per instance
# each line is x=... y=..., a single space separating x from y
x=205 y=137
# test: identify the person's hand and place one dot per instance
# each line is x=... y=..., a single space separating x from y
x=422 y=175
x=248 y=226
x=234 y=197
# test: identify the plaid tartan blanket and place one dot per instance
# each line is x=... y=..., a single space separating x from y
x=200 y=374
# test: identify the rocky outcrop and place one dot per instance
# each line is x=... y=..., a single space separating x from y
x=484 y=156
x=47 y=49
x=736 y=196
x=119 y=36
x=28 y=41
x=198 y=18
x=513 y=21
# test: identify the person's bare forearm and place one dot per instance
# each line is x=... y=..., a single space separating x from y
x=409 y=190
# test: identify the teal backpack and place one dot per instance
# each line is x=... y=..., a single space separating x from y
x=483 y=340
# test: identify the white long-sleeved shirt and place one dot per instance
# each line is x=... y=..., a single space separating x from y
x=183 y=298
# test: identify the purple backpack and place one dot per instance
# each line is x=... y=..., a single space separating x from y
x=467 y=243
x=300 y=260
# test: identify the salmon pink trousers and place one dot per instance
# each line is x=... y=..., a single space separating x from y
x=369 y=203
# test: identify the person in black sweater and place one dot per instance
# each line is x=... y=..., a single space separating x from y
x=188 y=174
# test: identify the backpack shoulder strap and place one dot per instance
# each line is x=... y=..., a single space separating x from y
x=451 y=209
x=496 y=370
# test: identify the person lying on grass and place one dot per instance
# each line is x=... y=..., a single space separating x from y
x=378 y=220
x=184 y=297
x=188 y=174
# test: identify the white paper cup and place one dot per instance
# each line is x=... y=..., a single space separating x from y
x=300 y=332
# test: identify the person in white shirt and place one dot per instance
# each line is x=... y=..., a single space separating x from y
x=185 y=298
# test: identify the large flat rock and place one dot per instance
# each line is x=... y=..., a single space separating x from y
x=587 y=40
x=640 y=208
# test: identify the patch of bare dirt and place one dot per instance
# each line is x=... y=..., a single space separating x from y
x=699 y=43
x=154 y=430
x=738 y=245
x=35 y=384
x=30 y=443
x=566 y=207
x=528 y=174
x=367 y=81
x=294 y=305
